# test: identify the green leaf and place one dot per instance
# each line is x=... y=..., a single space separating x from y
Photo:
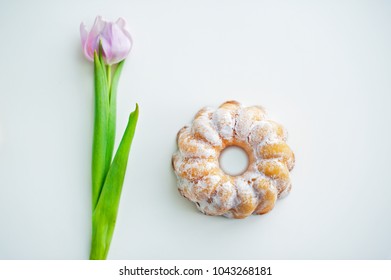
x=113 y=111
x=105 y=214
x=100 y=165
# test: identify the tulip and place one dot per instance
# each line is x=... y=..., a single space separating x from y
x=113 y=36
x=107 y=45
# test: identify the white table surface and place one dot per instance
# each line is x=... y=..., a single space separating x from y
x=321 y=68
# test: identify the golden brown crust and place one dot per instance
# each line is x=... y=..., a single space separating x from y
x=230 y=105
x=267 y=194
x=202 y=181
x=274 y=169
x=204 y=190
x=246 y=206
x=278 y=150
x=191 y=146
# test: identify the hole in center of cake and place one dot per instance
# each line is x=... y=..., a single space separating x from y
x=233 y=160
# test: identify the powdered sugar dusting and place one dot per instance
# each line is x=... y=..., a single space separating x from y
x=196 y=163
x=224 y=120
x=203 y=128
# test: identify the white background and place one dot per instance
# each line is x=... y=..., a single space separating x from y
x=321 y=68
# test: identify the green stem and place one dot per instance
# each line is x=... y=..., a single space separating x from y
x=113 y=110
x=108 y=71
x=99 y=162
x=105 y=215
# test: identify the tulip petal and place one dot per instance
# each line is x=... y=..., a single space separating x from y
x=120 y=44
x=83 y=37
x=121 y=22
x=105 y=37
x=83 y=33
x=94 y=36
x=123 y=25
x=98 y=27
x=114 y=37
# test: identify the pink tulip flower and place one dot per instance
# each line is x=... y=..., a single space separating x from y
x=114 y=37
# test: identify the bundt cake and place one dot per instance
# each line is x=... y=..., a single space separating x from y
x=196 y=163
